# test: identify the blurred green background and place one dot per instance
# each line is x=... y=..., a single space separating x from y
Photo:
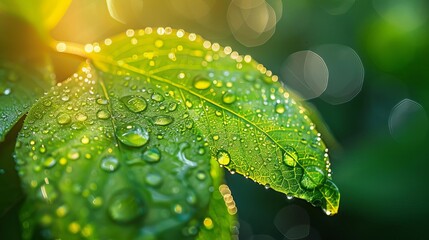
x=362 y=64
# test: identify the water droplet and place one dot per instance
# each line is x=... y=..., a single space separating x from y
x=126 y=206
x=178 y=209
x=313 y=177
x=201 y=83
x=49 y=162
x=61 y=211
x=135 y=103
x=73 y=154
x=74 y=227
x=47 y=103
x=63 y=118
x=102 y=101
x=172 y=106
x=201 y=151
x=267 y=186
x=208 y=223
x=152 y=155
x=109 y=164
x=157 y=97
x=102 y=114
x=65 y=98
x=162 y=120
x=84 y=140
x=289 y=197
x=132 y=135
x=229 y=97
x=280 y=108
x=48 y=193
x=7 y=91
x=201 y=175
x=223 y=157
x=153 y=179
x=81 y=117
x=290 y=157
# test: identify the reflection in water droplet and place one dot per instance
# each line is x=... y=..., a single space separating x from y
x=162 y=120
x=135 y=103
x=132 y=135
x=63 y=118
x=313 y=177
x=109 y=164
x=152 y=155
x=223 y=157
x=154 y=179
x=201 y=83
x=126 y=206
x=102 y=101
x=102 y=114
x=229 y=97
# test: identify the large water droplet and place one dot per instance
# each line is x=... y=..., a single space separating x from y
x=162 y=120
x=132 y=135
x=109 y=164
x=103 y=114
x=280 y=108
x=126 y=206
x=229 y=97
x=152 y=155
x=134 y=103
x=290 y=157
x=201 y=83
x=63 y=118
x=313 y=177
x=223 y=157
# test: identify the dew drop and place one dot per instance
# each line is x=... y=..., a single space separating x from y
x=280 y=108
x=47 y=103
x=135 y=103
x=63 y=118
x=313 y=177
x=73 y=154
x=132 y=135
x=81 y=117
x=223 y=157
x=152 y=155
x=201 y=83
x=201 y=175
x=229 y=97
x=154 y=179
x=162 y=120
x=126 y=206
x=103 y=114
x=102 y=101
x=109 y=164
x=157 y=97
x=172 y=107
x=84 y=140
x=208 y=223
x=290 y=157
x=7 y=91
x=49 y=162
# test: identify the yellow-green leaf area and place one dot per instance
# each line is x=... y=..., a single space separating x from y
x=42 y=14
x=241 y=107
x=119 y=176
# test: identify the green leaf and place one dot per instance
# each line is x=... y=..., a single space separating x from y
x=25 y=71
x=106 y=160
x=253 y=125
x=42 y=14
x=221 y=222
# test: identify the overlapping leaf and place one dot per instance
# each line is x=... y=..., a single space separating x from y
x=25 y=71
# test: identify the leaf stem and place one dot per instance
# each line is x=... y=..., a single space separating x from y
x=72 y=48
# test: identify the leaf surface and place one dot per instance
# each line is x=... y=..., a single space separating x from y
x=253 y=125
x=25 y=71
x=107 y=162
